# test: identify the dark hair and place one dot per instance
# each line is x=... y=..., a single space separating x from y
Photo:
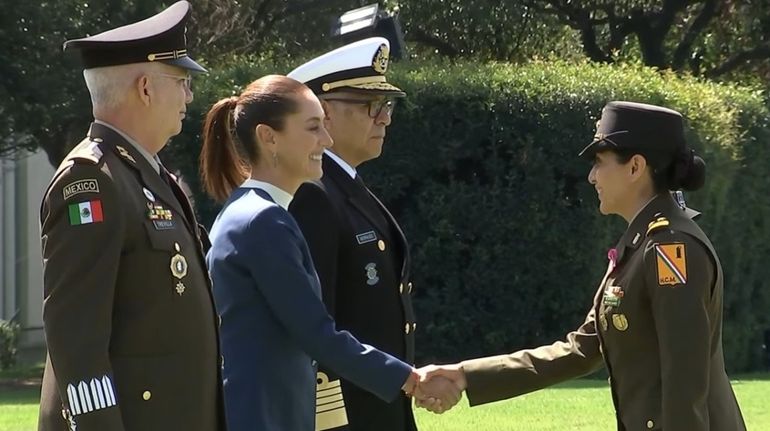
x=268 y=100
x=684 y=170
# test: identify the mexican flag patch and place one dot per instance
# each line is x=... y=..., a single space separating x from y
x=86 y=212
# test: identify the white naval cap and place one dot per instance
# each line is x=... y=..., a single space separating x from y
x=359 y=66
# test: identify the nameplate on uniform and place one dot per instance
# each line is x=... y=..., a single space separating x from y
x=330 y=410
x=81 y=186
x=366 y=237
x=163 y=224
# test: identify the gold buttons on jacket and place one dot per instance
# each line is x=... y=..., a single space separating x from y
x=409 y=287
x=407 y=328
x=414 y=326
x=401 y=288
x=381 y=245
x=650 y=424
x=146 y=395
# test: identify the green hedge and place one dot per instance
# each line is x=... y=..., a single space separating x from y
x=508 y=247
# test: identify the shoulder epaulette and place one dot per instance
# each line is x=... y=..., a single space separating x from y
x=87 y=151
x=657 y=224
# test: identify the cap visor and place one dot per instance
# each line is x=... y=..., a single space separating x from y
x=186 y=63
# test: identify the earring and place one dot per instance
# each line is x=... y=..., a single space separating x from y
x=275 y=160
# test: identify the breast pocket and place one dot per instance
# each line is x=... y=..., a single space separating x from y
x=171 y=256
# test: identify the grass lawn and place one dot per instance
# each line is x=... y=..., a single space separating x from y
x=581 y=405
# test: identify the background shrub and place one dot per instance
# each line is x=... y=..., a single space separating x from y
x=480 y=166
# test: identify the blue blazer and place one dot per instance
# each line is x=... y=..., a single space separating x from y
x=274 y=326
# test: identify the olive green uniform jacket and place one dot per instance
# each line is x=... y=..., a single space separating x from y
x=129 y=319
x=655 y=324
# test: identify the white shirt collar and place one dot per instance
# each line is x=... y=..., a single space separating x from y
x=343 y=164
x=146 y=154
x=282 y=198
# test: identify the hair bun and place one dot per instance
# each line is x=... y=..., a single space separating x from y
x=689 y=172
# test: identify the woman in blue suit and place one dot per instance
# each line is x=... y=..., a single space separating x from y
x=274 y=325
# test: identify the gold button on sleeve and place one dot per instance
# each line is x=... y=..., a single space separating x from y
x=146 y=395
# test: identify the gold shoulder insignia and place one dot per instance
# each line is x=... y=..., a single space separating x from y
x=657 y=224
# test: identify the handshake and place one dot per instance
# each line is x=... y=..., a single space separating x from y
x=436 y=388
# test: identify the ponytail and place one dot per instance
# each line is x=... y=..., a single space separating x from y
x=222 y=167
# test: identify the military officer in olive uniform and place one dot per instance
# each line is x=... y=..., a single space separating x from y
x=656 y=319
x=129 y=319
x=358 y=248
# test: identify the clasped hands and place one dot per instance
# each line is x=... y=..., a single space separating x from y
x=436 y=388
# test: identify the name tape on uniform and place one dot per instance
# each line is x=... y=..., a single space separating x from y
x=363 y=238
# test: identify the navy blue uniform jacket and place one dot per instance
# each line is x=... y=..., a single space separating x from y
x=274 y=324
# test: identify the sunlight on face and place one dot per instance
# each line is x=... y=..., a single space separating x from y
x=611 y=180
x=303 y=140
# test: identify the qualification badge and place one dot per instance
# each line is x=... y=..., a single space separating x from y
x=371 y=274
x=620 y=322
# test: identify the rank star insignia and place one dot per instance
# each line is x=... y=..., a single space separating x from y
x=178 y=266
x=180 y=287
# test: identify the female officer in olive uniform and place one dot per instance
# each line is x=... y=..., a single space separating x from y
x=656 y=320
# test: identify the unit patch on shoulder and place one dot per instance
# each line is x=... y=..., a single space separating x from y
x=656 y=224
x=89 y=185
x=671 y=262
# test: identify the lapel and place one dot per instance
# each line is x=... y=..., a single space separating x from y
x=130 y=156
x=368 y=205
x=357 y=195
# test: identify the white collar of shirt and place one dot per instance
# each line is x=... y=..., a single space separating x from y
x=146 y=154
x=279 y=196
x=343 y=164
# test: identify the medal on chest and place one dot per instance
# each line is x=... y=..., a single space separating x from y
x=178 y=269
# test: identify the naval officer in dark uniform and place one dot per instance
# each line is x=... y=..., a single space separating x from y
x=129 y=320
x=358 y=248
x=656 y=319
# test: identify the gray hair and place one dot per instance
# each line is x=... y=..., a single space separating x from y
x=109 y=86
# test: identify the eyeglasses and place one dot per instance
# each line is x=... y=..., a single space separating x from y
x=184 y=80
x=375 y=106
